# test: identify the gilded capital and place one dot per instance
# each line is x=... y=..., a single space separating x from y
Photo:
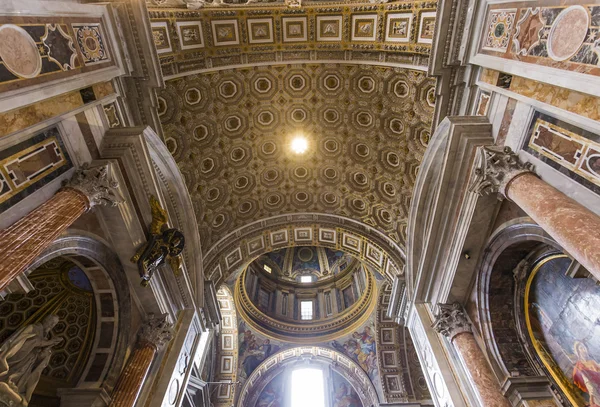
x=451 y=320
x=156 y=332
x=95 y=183
x=497 y=167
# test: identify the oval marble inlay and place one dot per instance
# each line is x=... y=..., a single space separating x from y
x=19 y=52
x=593 y=164
x=568 y=33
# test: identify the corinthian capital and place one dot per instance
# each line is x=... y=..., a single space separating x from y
x=451 y=320
x=156 y=332
x=498 y=166
x=96 y=184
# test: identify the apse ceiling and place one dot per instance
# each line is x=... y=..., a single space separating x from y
x=356 y=89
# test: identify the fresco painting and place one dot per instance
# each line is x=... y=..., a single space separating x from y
x=253 y=350
x=344 y=394
x=361 y=347
x=273 y=394
x=563 y=320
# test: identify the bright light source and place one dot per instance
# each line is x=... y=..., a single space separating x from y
x=306 y=310
x=267 y=268
x=308 y=388
x=306 y=279
x=299 y=145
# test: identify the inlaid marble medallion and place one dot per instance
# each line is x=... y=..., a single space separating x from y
x=568 y=33
x=19 y=52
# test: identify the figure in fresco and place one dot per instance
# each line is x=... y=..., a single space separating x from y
x=345 y=396
x=23 y=357
x=253 y=351
x=362 y=349
x=586 y=374
x=272 y=395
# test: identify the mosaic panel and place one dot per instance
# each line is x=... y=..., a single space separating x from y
x=564 y=37
x=569 y=149
x=34 y=50
x=31 y=164
x=399 y=27
x=426 y=27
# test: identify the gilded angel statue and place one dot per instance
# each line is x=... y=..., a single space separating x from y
x=164 y=245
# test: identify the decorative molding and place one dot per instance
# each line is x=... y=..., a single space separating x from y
x=498 y=166
x=96 y=184
x=156 y=332
x=451 y=321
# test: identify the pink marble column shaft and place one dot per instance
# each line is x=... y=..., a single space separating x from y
x=573 y=226
x=479 y=370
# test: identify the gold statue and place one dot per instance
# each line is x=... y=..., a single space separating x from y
x=163 y=244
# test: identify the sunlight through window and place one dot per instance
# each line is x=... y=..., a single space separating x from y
x=306 y=310
x=307 y=388
x=306 y=279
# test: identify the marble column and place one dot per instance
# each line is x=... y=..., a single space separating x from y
x=27 y=238
x=452 y=322
x=152 y=337
x=572 y=225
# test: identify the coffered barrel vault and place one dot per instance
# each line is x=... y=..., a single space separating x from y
x=367 y=129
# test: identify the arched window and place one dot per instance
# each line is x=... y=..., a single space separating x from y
x=308 y=387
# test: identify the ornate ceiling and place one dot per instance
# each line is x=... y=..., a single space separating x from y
x=230 y=131
x=292 y=262
x=258 y=32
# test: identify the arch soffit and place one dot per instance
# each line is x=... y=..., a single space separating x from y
x=228 y=257
x=512 y=233
x=275 y=364
x=80 y=243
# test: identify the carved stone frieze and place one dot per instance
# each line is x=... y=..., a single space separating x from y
x=96 y=184
x=498 y=166
x=155 y=332
x=451 y=320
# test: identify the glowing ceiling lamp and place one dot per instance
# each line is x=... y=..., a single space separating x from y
x=299 y=144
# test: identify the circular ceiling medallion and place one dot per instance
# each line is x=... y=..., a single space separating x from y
x=298 y=115
x=241 y=182
x=213 y=194
x=207 y=165
x=19 y=52
x=219 y=220
x=300 y=172
x=330 y=173
x=268 y=147
x=396 y=126
x=331 y=115
x=568 y=33
x=364 y=119
x=193 y=96
x=392 y=159
x=361 y=179
x=401 y=89
x=274 y=199
x=297 y=82
x=262 y=85
x=330 y=198
x=271 y=175
x=265 y=118
x=228 y=89
x=200 y=132
x=305 y=254
x=331 y=82
x=301 y=196
x=237 y=154
x=233 y=123
x=366 y=84
x=362 y=150
x=331 y=146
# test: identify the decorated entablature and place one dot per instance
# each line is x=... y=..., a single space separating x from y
x=220 y=35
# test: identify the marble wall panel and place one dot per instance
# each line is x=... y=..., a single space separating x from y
x=566 y=99
x=27 y=166
x=571 y=150
x=35 y=50
x=19 y=119
x=560 y=36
